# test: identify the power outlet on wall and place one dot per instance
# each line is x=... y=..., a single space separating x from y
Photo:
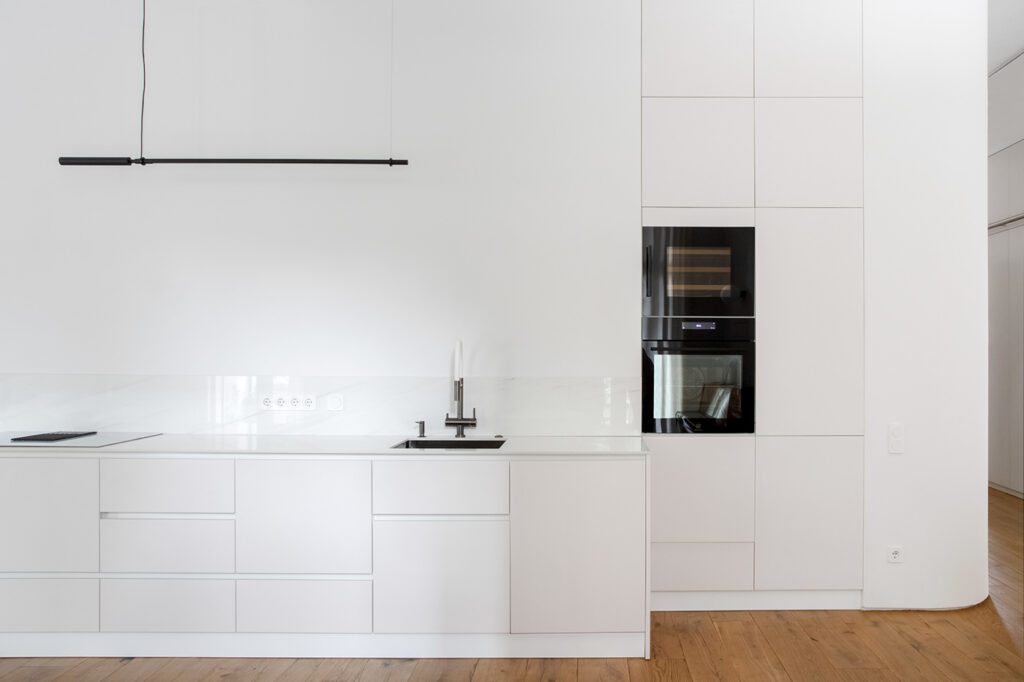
x=895 y=555
x=288 y=402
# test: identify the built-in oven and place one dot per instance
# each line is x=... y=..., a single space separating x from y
x=698 y=271
x=698 y=375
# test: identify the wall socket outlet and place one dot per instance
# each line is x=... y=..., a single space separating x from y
x=895 y=555
x=288 y=402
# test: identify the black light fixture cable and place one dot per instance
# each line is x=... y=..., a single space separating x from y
x=143 y=161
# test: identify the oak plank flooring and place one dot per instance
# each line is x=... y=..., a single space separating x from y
x=983 y=642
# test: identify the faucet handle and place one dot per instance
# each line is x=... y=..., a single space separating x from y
x=423 y=428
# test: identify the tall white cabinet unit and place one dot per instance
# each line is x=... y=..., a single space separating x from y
x=1006 y=360
x=777 y=85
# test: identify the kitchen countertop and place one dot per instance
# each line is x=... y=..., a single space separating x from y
x=347 y=445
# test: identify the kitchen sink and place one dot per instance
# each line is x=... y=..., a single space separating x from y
x=451 y=444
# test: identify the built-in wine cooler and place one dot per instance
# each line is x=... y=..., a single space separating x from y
x=698 y=330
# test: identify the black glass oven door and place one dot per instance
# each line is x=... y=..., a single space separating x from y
x=698 y=272
x=698 y=387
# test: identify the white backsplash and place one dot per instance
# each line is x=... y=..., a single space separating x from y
x=372 y=405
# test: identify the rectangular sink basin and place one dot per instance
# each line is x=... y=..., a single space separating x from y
x=451 y=444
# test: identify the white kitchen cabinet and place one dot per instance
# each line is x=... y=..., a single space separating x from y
x=1006 y=359
x=443 y=576
x=702 y=566
x=303 y=516
x=810 y=153
x=702 y=488
x=807 y=49
x=49 y=515
x=49 y=605
x=698 y=152
x=305 y=606
x=810 y=322
x=578 y=546
x=1006 y=108
x=167 y=485
x=167 y=546
x=440 y=487
x=1005 y=178
x=698 y=48
x=188 y=605
x=810 y=501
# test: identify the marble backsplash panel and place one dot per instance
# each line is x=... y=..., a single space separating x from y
x=371 y=405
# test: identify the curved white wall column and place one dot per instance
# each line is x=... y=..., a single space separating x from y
x=925 y=286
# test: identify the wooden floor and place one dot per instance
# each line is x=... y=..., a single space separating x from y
x=985 y=642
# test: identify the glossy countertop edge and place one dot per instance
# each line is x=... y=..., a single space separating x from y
x=348 y=445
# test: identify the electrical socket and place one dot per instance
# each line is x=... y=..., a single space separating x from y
x=288 y=402
x=895 y=555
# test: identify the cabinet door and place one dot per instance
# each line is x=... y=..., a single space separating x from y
x=167 y=485
x=698 y=152
x=49 y=605
x=49 y=515
x=810 y=322
x=441 y=576
x=305 y=606
x=702 y=488
x=578 y=546
x=303 y=516
x=167 y=606
x=810 y=511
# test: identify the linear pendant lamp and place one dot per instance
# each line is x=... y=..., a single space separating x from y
x=144 y=161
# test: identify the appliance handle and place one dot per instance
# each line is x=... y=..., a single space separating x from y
x=647 y=271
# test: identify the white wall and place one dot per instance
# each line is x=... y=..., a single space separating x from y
x=925 y=283
x=512 y=228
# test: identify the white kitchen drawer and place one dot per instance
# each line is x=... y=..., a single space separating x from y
x=702 y=488
x=810 y=152
x=167 y=485
x=698 y=48
x=167 y=546
x=167 y=605
x=807 y=49
x=49 y=605
x=441 y=576
x=305 y=606
x=810 y=513
x=444 y=487
x=696 y=566
x=698 y=152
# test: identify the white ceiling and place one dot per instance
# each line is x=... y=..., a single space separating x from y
x=1005 y=31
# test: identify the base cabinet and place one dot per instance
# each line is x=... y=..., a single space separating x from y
x=303 y=516
x=305 y=606
x=152 y=605
x=441 y=576
x=810 y=520
x=578 y=546
x=49 y=605
x=48 y=515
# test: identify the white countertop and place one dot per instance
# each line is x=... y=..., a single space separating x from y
x=349 y=445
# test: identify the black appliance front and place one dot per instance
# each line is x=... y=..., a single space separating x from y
x=698 y=385
x=698 y=272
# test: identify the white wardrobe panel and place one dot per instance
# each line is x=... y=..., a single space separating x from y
x=698 y=48
x=810 y=322
x=810 y=152
x=807 y=49
x=698 y=152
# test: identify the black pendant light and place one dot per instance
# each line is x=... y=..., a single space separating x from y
x=142 y=160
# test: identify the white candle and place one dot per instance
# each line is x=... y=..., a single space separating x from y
x=458 y=360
